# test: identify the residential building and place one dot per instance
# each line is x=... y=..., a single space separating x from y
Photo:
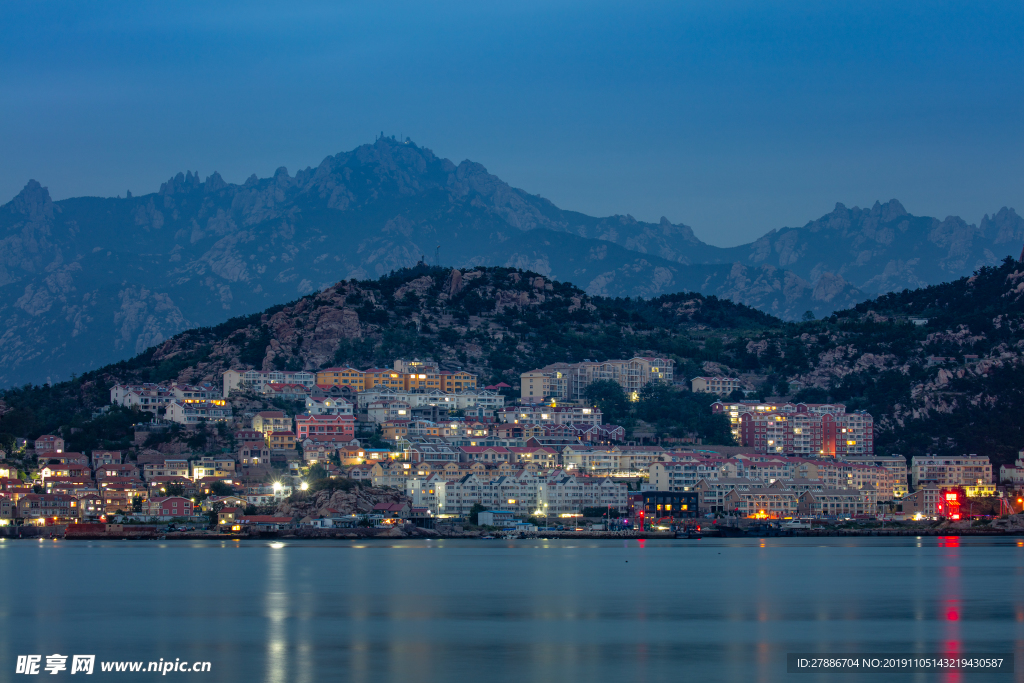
x=170 y=467
x=167 y=507
x=342 y=427
x=1013 y=475
x=269 y=421
x=767 y=502
x=543 y=415
x=198 y=411
x=255 y=380
x=456 y=381
x=897 y=466
x=716 y=385
x=285 y=391
x=927 y=501
x=341 y=376
x=48 y=443
x=253 y=453
x=123 y=470
x=148 y=396
x=801 y=429
x=569 y=381
x=960 y=470
x=100 y=458
x=328 y=406
x=659 y=505
x=388 y=410
x=220 y=468
x=834 y=503
x=48 y=508
x=281 y=441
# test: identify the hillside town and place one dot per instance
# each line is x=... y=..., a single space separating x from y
x=431 y=447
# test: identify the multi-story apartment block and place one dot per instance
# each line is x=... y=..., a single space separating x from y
x=569 y=381
x=149 y=397
x=340 y=376
x=415 y=376
x=897 y=466
x=801 y=429
x=196 y=412
x=168 y=468
x=961 y=470
x=340 y=427
x=256 y=380
x=48 y=508
x=542 y=415
x=715 y=385
x=454 y=381
x=477 y=402
x=197 y=393
x=385 y=411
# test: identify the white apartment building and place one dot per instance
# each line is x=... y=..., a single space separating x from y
x=528 y=493
x=258 y=379
x=387 y=410
x=960 y=470
x=715 y=385
x=328 y=406
x=194 y=413
x=569 y=381
x=478 y=402
x=559 y=415
x=148 y=397
x=1013 y=475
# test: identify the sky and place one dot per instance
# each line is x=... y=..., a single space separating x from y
x=732 y=117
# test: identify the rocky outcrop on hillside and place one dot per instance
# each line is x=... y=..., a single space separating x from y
x=356 y=500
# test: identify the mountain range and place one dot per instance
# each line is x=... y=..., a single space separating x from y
x=88 y=280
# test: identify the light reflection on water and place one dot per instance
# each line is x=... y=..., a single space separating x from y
x=566 y=611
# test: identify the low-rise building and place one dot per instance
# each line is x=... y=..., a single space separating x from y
x=268 y=421
x=167 y=507
x=199 y=411
x=715 y=385
x=834 y=503
x=48 y=508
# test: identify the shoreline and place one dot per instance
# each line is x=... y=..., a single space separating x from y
x=379 y=534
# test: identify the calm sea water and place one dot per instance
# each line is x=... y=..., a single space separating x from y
x=515 y=611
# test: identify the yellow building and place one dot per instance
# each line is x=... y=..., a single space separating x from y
x=383 y=378
x=343 y=376
x=457 y=381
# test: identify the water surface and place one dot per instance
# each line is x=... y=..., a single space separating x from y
x=510 y=611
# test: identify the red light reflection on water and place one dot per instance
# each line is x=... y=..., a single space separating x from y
x=949 y=541
x=641 y=541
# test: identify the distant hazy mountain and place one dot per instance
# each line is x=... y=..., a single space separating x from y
x=87 y=281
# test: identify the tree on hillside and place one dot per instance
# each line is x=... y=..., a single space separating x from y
x=609 y=396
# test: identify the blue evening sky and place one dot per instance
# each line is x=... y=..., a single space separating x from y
x=732 y=117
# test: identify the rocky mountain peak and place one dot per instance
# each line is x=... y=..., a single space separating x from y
x=33 y=202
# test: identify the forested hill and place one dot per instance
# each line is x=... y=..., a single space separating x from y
x=496 y=322
x=952 y=385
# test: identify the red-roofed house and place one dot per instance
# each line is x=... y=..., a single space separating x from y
x=168 y=507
